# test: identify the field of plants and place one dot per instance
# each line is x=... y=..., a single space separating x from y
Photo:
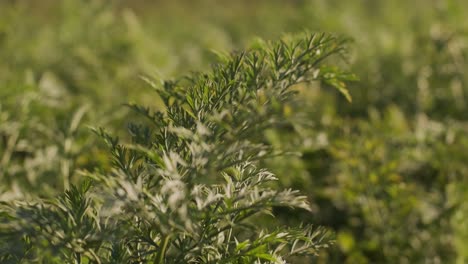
x=267 y=131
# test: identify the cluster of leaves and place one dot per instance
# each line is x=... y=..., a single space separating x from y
x=390 y=181
x=188 y=187
x=42 y=139
x=386 y=172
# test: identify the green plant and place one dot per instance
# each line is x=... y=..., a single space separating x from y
x=188 y=188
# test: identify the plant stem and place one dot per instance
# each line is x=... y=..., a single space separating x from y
x=161 y=254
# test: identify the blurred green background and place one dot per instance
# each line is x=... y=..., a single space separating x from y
x=387 y=172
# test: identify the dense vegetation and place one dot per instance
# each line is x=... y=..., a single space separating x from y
x=170 y=132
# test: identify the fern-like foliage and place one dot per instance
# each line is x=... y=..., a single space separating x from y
x=188 y=188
